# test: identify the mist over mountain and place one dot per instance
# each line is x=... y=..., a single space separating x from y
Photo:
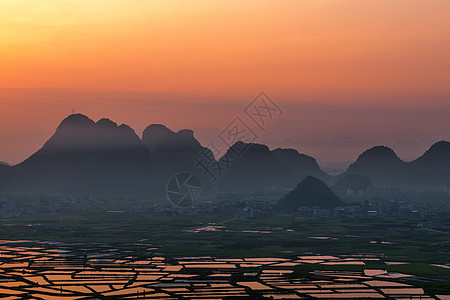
x=300 y=164
x=355 y=183
x=381 y=165
x=84 y=156
x=172 y=152
x=4 y=174
x=385 y=168
x=4 y=166
x=433 y=167
x=257 y=167
x=87 y=157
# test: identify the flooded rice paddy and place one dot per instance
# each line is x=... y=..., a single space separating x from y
x=46 y=270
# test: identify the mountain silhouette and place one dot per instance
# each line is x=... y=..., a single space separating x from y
x=4 y=174
x=86 y=157
x=311 y=192
x=381 y=165
x=432 y=168
x=256 y=167
x=89 y=158
x=259 y=167
x=300 y=164
x=386 y=169
x=173 y=152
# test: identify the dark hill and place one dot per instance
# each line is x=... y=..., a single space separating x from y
x=86 y=157
x=172 y=152
x=432 y=168
x=381 y=165
x=256 y=168
x=385 y=168
x=311 y=192
x=300 y=164
x=4 y=174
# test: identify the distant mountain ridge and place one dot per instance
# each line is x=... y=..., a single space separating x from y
x=4 y=175
x=381 y=164
x=300 y=164
x=172 y=152
x=84 y=156
x=257 y=167
x=433 y=167
x=385 y=168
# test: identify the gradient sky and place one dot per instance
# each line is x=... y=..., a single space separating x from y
x=367 y=71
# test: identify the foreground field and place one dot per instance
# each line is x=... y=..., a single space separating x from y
x=220 y=235
x=415 y=249
x=49 y=270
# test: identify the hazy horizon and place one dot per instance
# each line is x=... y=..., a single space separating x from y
x=349 y=75
x=334 y=134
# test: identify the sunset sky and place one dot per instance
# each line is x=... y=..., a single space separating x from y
x=349 y=74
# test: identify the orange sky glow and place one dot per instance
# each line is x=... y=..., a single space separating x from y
x=135 y=60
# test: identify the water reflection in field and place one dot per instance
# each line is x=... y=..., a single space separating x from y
x=39 y=270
